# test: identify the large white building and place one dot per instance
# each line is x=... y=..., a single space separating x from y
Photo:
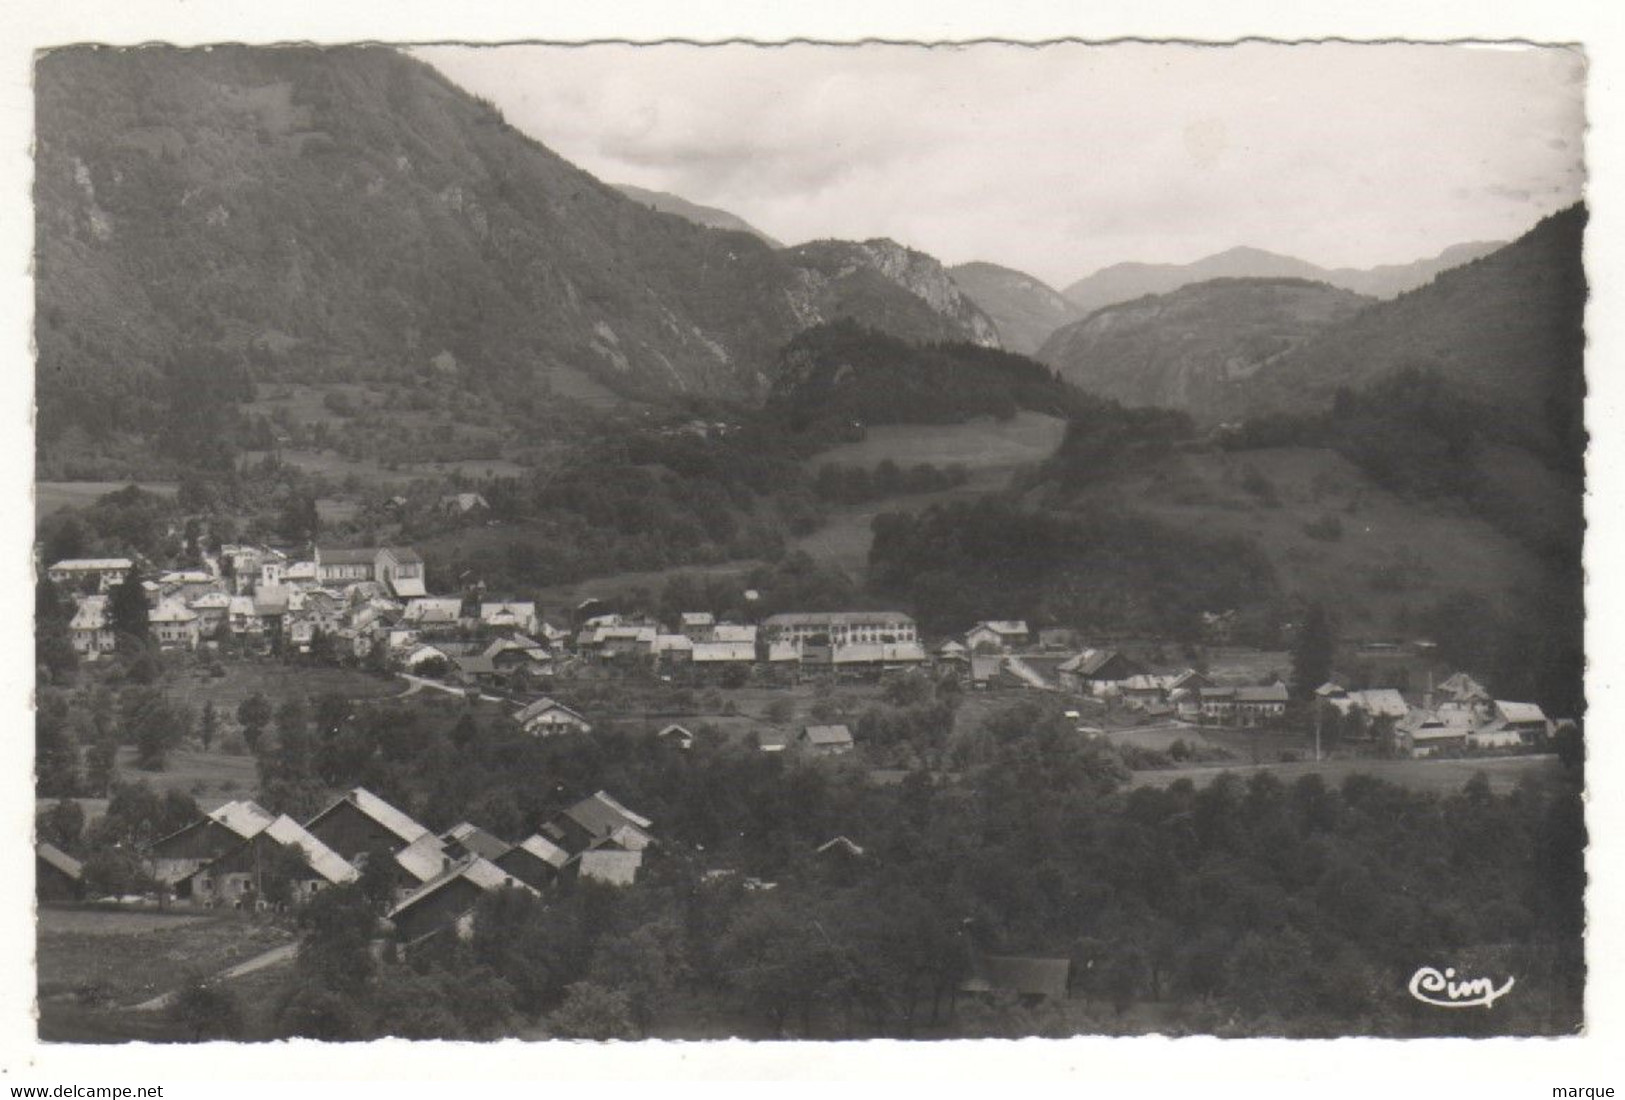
x=840 y=628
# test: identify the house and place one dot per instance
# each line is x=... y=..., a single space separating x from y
x=610 y=864
x=400 y=569
x=840 y=627
x=300 y=575
x=419 y=861
x=985 y=670
x=674 y=649
x=241 y=876
x=772 y=741
x=1218 y=704
x=511 y=618
x=677 y=736
x=734 y=632
x=213 y=609
x=997 y=635
x=174 y=857
x=877 y=656
x=718 y=655
x=447 y=900
x=1512 y=725
x=594 y=820
x=90 y=574
x=697 y=626
x=173 y=625
x=428 y=612
x=358 y=822
x=335 y=566
x=57 y=875
x=476 y=669
x=839 y=846
x=466 y=839
x=91 y=629
x=1031 y=979
x=952 y=651
x=1261 y=705
x=1374 y=713
x=535 y=861
x=546 y=717
x=1464 y=689
x=1094 y=670
x=462 y=504
x=420 y=655
x=1425 y=732
x=826 y=740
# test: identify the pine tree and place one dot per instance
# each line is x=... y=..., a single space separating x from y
x=128 y=610
x=208 y=725
x=1313 y=652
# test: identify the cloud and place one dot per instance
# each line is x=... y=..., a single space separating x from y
x=1064 y=159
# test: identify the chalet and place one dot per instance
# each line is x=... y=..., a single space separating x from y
x=90 y=574
x=697 y=626
x=1143 y=690
x=57 y=875
x=447 y=900
x=1094 y=671
x=1464 y=689
x=400 y=569
x=174 y=626
x=552 y=635
x=997 y=635
x=617 y=641
x=735 y=633
x=840 y=627
x=419 y=861
x=462 y=504
x=342 y=567
x=241 y=875
x=1218 y=704
x=91 y=628
x=952 y=651
x=519 y=653
x=1512 y=725
x=476 y=670
x=466 y=839
x=877 y=656
x=1261 y=705
x=826 y=740
x=676 y=736
x=717 y=654
x=1374 y=713
x=172 y=858
x=535 y=861
x=509 y=618
x=212 y=609
x=419 y=655
x=1032 y=980
x=301 y=575
x=674 y=649
x=1425 y=732
x=429 y=612
x=595 y=820
x=546 y=717
x=359 y=822
x=609 y=863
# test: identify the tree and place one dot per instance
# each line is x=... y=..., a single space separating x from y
x=208 y=725
x=153 y=723
x=1312 y=652
x=63 y=824
x=127 y=608
x=336 y=951
x=590 y=1011
x=56 y=764
x=53 y=645
x=254 y=714
x=206 y=1010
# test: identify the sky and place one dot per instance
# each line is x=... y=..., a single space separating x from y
x=1059 y=160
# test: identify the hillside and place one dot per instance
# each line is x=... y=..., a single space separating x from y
x=1182 y=350
x=1122 y=282
x=1508 y=329
x=1025 y=309
x=708 y=216
x=248 y=215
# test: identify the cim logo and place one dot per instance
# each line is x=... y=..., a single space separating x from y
x=1444 y=991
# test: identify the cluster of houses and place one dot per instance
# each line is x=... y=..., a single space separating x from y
x=244 y=856
x=1458 y=715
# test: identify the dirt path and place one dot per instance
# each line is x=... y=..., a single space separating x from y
x=273 y=957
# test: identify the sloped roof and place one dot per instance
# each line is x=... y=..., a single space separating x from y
x=674 y=730
x=705 y=652
x=245 y=818
x=1268 y=693
x=698 y=618
x=951 y=646
x=379 y=811
x=517 y=611
x=782 y=651
x=828 y=735
x=408 y=586
x=545 y=850
x=404 y=555
x=1329 y=689
x=673 y=643
x=210 y=600
x=477 y=840
x=1000 y=626
x=91 y=564
x=168 y=611
x=321 y=859
x=473 y=869
x=355 y=556
x=1380 y=702
x=434 y=609
x=59 y=859
x=734 y=632
x=1463 y=686
x=1520 y=712
x=838 y=618
x=424 y=858
x=841 y=843
x=90 y=613
x=601 y=815
x=985 y=667
x=540 y=707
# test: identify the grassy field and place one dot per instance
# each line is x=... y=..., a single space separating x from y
x=124 y=958
x=53 y=496
x=990 y=449
x=1442 y=776
x=210 y=777
x=558 y=600
x=276 y=681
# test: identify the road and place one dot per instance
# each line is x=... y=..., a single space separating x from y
x=274 y=957
x=418 y=683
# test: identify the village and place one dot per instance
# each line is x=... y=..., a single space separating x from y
x=371 y=608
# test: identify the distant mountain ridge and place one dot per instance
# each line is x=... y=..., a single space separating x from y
x=841 y=273
x=1126 y=281
x=1025 y=309
x=709 y=216
x=1182 y=350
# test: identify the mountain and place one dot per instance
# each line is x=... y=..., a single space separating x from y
x=842 y=277
x=1122 y=282
x=1183 y=349
x=328 y=216
x=1025 y=309
x=1507 y=329
x=709 y=216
